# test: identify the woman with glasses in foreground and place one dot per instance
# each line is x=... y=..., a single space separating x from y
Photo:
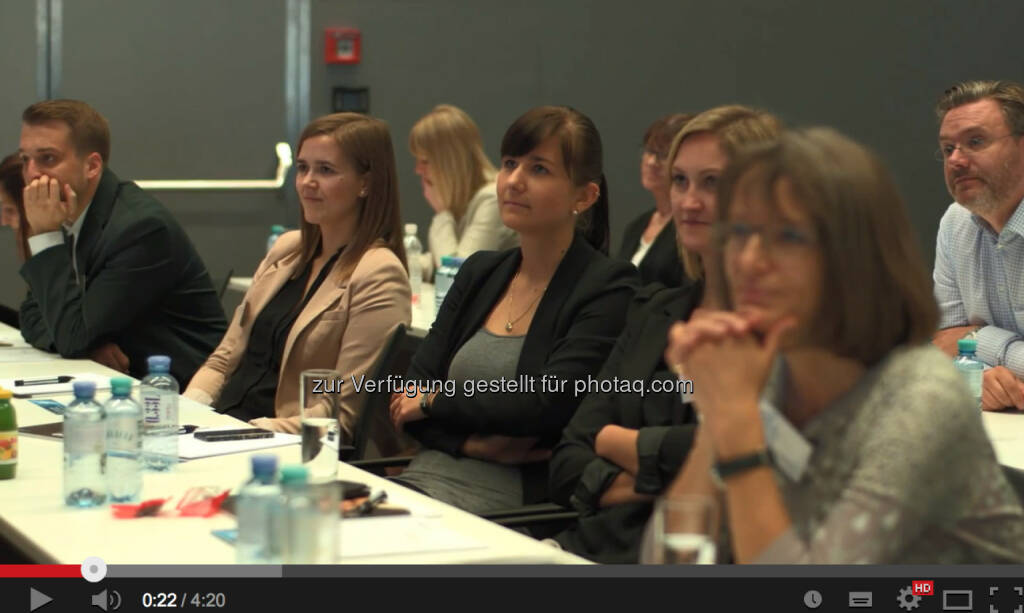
x=826 y=327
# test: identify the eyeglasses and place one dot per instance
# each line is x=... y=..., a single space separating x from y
x=971 y=146
x=778 y=241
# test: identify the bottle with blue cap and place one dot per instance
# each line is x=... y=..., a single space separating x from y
x=970 y=367
x=259 y=539
x=159 y=397
x=443 y=279
x=85 y=481
x=124 y=442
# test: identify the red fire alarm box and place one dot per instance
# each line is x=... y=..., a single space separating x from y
x=341 y=45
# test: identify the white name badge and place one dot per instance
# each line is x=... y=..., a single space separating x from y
x=789 y=448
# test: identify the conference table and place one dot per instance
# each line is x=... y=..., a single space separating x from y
x=34 y=519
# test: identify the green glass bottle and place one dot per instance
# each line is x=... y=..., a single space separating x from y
x=8 y=436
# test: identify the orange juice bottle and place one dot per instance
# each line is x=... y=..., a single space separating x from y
x=8 y=436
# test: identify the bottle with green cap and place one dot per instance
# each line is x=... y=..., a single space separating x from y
x=124 y=442
x=970 y=367
x=299 y=519
x=85 y=481
x=8 y=436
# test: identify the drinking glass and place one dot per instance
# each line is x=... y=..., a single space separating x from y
x=685 y=530
x=319 y=403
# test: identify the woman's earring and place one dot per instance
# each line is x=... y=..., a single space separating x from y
x=575 y=212
x=362 y=194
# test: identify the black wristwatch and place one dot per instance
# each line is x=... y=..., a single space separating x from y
x=723 y=469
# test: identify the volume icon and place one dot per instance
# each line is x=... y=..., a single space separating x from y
x=107 y=598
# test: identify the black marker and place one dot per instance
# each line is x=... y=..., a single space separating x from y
x=50 y=381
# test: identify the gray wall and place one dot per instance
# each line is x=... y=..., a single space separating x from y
x=872 y=69
x=194 y=89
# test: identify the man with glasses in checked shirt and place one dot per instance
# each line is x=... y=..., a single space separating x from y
x=979 y=253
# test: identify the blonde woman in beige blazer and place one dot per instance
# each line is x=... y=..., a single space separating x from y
x=325 y=296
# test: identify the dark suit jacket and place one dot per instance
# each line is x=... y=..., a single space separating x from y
x=144 y=287
x=575 y=325
x=666 y=429
x=661 y=264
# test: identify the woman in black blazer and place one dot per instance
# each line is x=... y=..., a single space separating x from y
x=545 y=314
x=622 y=449
x=649 y=240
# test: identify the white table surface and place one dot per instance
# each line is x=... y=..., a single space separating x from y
x=1006 y=431
x=422 y=312
x=34 y=517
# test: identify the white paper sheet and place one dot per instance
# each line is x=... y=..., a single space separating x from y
x=23 y=355
x=402 y=534
x=189 y=448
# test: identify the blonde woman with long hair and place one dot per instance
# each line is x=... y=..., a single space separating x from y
x=458 y=183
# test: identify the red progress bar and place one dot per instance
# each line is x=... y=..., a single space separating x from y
x=34 y=571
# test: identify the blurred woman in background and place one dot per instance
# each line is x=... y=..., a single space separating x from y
x=12 y=215
x=649 y=240
x=458 y=183
x=12 y=207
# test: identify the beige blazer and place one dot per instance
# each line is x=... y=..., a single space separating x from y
x=342 y=327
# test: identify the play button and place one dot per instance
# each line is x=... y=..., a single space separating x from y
x=37 y=599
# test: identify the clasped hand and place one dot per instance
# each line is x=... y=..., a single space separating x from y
x=404 y=409
x=45 y=210
x=728 y=362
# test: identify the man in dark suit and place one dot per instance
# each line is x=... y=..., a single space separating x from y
x=111 y=274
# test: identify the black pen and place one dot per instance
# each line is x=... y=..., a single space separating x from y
x=372 y=503
x=187 y=429
x=50 y=381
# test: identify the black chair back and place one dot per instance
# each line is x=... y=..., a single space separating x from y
x=225 y=283
x=394 y=359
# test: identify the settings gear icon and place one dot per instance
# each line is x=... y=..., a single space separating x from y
x=907 y=600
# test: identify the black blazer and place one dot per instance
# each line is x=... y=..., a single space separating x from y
x=661 y=264
x=575 y=325
x=144 y=287
x=666 y=430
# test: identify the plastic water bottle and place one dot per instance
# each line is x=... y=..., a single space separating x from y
x=971 y=368
x=259 y=540
x=276 y=230
x=124 y=442
x=85 y=484
x=413 y=250
x=298 y=542
x=8 y=436
x=444 y=277
x=160 y=415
